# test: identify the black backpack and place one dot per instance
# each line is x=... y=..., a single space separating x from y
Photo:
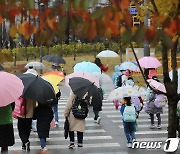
x=119 y=81
x=80 y=109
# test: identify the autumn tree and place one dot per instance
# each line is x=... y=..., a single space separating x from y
x=111 y=21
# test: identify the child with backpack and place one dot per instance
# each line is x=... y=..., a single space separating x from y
x=128 y=112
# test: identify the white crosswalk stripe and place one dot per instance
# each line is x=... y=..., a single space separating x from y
x=96 y=136
x=56 y=141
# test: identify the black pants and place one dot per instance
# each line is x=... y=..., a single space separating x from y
x=158 y=117
x=24 y=128
x=79 y=137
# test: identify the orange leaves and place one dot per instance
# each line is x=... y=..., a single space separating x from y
x=26 y=29
x=34 y=12
x=13 y=31
x=150 y=33
x=124 y=4
x=1 y=19
x=51 y=22
x=91 y=29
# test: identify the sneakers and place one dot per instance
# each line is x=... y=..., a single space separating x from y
x=26 y=147
x=134 y=140
x=71 y=146
x=56 y=124
x=44 y=149
x=98 y=120
x=152 y=126
x=129 y=145
x=80 y=146
x=158 y=126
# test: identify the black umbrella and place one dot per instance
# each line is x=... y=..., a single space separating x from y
x=1 y=67
x=54 y=59
x=81 y=86
x=66 y=128
x=37 y=89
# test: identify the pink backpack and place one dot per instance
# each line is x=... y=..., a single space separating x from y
x=20 y=107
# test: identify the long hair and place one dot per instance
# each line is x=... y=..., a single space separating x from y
x=128 y=101
x=97 y=61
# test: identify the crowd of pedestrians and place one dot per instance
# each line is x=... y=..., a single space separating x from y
x=38 y=116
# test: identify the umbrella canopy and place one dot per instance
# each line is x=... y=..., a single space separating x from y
x=104 y=79
x=35 y=65
x=128 y=66
x=107 y=53
x=84 y=75
x=1 y=67
x=125 y=91
x=171 y=76
x=149 y=62
x=54 y=77
x=86 y=67
x=156 y=85
x=37 y=89
x=54 y=59
x=81 y=86
x=11 y=88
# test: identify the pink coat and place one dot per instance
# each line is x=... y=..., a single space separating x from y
x=74 y=124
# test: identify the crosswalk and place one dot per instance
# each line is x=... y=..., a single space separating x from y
x=96 y=136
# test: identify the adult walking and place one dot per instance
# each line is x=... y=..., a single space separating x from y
x=6 y=128
x=103 y=67
x=151 y=108
x=44 y=115
x=75 y=124
x=25 y=122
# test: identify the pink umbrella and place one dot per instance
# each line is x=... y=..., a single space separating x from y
x=149 y=62
x=85 y=75
x=11 y=88
x=157 y=85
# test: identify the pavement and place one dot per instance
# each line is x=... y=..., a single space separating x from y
x=106 y=138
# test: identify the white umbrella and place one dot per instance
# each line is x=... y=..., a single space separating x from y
x=107 y=53
x=35 y=65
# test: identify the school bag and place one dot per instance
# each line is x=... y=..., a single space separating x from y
x=160 y=100
x=129 y=114
x=20 y=107
x=80 y=108
x=119 y=81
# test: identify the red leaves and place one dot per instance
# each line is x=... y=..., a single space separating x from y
x=1 y=19
x=150 y=33
x=34 y=12
x=124 y=4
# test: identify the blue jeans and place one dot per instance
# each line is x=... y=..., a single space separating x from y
x=129 y=130
x=43 y=142
x=55 y=109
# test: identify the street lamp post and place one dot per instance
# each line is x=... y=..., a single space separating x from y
x=146 y=44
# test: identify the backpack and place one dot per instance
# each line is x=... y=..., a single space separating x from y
x=80 y=109
x=129 y=114
x=160 y=100
x=119 y=81
x=20 y=107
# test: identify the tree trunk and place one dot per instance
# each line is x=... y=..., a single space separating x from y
x=171 y=94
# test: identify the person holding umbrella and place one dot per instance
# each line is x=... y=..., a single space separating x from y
x=103 y=67
x=44 y=115
x=6 y=128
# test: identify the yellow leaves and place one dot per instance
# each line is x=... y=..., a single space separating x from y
x=13 y=31
x=108 y=33
x=26 y=29
x=4 y=56
x=122 y=30
x=20 y=29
